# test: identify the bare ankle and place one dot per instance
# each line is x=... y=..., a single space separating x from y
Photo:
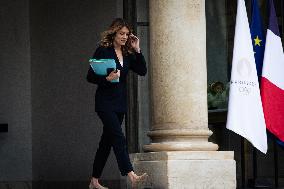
x=131 y=174
x=95 y=181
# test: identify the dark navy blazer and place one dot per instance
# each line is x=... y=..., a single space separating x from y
x=112 y=96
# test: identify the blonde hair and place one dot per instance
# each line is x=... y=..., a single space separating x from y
x=107 y=36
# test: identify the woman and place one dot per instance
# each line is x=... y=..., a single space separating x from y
x=120 y=44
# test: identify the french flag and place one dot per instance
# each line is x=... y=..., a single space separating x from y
x=272 y=80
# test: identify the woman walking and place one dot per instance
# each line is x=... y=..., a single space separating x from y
x=120 y=44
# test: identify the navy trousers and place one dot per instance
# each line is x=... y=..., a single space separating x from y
x=112 y=137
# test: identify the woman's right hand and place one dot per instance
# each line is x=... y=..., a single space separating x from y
x=113 y=75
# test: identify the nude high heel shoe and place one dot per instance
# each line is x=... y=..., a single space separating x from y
x=138 y=179
x=92 y=186
x=98 y=187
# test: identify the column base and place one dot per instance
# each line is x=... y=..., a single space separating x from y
x=180 y=140
x=186 y=170
x=180 y=146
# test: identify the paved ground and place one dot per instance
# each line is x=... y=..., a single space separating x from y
x=75 y=185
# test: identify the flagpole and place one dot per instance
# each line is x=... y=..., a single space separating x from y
x=254 y=159
x=243 y=162
x=275 y=163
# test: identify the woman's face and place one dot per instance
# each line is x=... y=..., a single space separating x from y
x=121 y=36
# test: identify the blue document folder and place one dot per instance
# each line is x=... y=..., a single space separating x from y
x=103 y=67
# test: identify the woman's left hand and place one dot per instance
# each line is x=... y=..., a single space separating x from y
x=135 y=43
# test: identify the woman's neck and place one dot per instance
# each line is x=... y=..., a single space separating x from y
x=117 y=47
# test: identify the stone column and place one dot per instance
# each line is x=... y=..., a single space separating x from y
x=179 y=155
x=178 y=76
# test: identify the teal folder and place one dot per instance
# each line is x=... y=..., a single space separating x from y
x=103 y=67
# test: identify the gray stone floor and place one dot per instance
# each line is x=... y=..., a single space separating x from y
x=56 y=185
x=15 y=185
x=75 y=185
